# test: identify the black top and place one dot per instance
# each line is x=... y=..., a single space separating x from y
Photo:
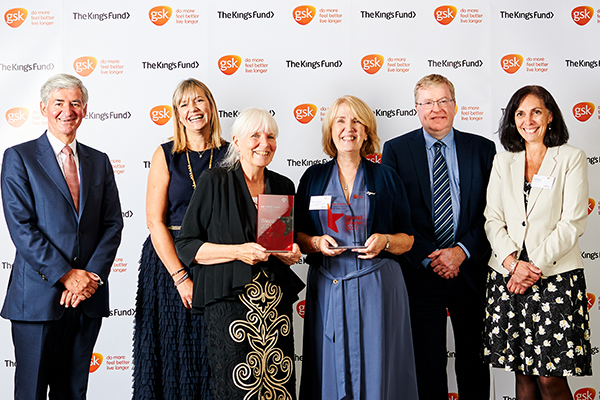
x=221 y=211
x=526 y=191
x=180 y=184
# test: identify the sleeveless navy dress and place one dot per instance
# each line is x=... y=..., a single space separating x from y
x=169 y=354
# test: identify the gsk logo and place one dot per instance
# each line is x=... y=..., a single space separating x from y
x=15 y=17
x=17 y=116
x=229 y=64
x=591 y=205
x=452 y=396
x=304 y=113
x=159 y=15
x=160 y=115
x=445 y=14
x=582 y=15
x=511 y=63
x=372 y=63
x=591 y=300
x=304 y=14
x=85 y=65
x=583 y=111
x=300 y=308
x=96 y=362
x=375 y=157
x=585 y=394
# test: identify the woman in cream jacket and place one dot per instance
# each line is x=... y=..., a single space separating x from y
x=536 y=317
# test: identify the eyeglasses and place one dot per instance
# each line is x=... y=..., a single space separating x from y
x=429 y=104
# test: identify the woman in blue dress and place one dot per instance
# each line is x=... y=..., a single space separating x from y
x=169 y=351
x=357 y=337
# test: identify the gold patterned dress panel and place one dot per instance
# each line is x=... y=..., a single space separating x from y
x=266 y=369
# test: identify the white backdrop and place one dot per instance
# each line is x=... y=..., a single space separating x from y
x=293 y=59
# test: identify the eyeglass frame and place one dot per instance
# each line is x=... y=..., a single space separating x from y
x=444 y=100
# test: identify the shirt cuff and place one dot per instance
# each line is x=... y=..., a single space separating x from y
x=100 y=282
x=462 y=246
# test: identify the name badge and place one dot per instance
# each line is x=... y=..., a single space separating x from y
x=541 y=181
x=319 y=202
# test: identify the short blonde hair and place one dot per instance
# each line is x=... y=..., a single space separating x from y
x=186 y=87
x=363 y=114
x=434 y=80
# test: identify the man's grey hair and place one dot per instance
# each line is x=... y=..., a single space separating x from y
x=63 y=81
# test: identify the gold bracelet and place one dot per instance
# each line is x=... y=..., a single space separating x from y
x=178 y=271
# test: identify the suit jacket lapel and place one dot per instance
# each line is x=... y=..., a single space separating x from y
x=546 y=169
x=464 y=151
x=47 y=159
x=85 y=172
x=418 y=153
x=517 y=179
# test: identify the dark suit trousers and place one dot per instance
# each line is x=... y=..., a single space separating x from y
x=54 y=354
x=429 y=296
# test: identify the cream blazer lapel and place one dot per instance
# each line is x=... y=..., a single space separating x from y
x=517 y=179
x=546 y=169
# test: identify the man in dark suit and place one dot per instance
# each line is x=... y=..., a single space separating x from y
x=445 y=173
x=62 y=210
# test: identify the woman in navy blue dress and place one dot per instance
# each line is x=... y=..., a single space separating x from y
x=169 y=352
x=357 y=337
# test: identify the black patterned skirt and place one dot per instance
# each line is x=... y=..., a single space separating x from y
x=250 y=344
x=544 y=331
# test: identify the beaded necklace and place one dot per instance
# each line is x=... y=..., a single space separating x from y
x=187 y=154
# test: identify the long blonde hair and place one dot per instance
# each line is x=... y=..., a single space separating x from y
x=191 y=85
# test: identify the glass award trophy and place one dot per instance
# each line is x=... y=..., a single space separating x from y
x=275 y=222
x=346 y=221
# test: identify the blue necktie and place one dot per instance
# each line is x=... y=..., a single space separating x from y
x=442 y=200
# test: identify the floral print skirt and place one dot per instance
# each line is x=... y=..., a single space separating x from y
x=544 y=331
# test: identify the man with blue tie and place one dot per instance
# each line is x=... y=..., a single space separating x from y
x=445 y=172
x=64 y=217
